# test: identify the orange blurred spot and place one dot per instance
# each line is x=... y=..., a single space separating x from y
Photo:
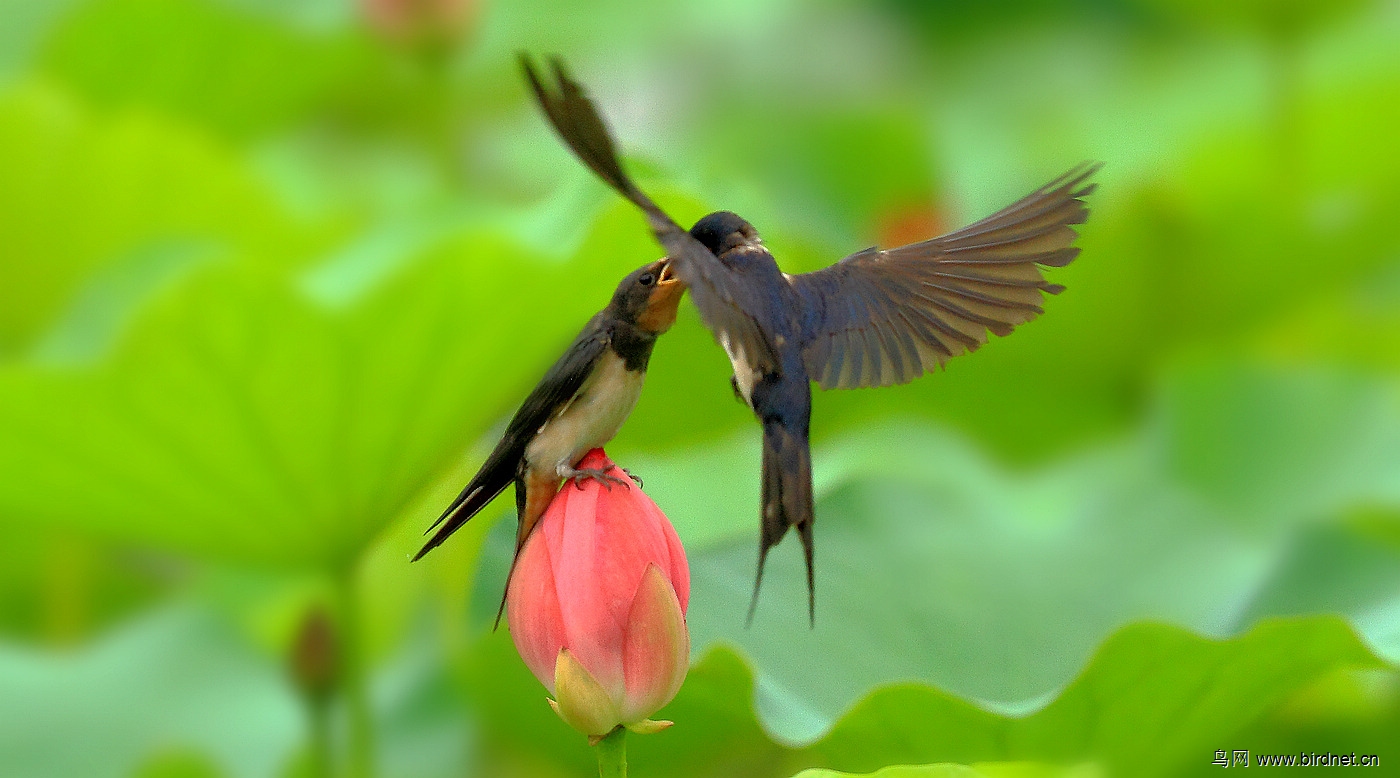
x=910 y=224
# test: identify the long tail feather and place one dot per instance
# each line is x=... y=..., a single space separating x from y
x=493 y=478
x=787 y=501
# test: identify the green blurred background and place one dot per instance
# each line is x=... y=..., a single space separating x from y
x=272 y=275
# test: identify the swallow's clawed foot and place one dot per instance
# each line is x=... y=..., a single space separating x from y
x=597 y=474
x=633 y=476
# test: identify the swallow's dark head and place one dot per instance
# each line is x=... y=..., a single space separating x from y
x=648 y=297
x=722 y=231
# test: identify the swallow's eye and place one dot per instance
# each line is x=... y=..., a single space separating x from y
x=647 y=279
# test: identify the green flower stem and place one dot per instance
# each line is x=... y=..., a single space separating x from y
x=320 y=759
x=612 y=754
x=67 y=589
x=361 y=729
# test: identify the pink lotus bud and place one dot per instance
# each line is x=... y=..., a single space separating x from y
x=597 y=605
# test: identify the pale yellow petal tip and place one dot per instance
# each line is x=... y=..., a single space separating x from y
x=649 y=726
x=580 y=700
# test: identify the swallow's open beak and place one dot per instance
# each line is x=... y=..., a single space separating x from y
x=665 y=299
x=668 y=275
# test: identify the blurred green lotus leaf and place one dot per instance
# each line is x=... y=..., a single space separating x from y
x=857 y=176
x=175 y=678
x=115 y=209
x=1274 y=444
x=242 y=420
x=180 y=692
x=23 y=27
x=57 y=588
x=178 y=764
x=1155 y=700
x=238 y=73
x=1290 y=17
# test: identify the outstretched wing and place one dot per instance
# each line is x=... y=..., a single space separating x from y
x=723 y=300
x=882 y=317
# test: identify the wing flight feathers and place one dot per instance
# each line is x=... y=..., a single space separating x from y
x=887 y=316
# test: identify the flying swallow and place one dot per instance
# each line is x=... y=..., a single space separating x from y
x=876 y=318
x=579 y=405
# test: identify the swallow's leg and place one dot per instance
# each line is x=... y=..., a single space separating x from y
x=633 y=476
x=597 y=474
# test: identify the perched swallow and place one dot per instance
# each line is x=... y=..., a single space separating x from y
x=579 y=405
x=876 y=318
